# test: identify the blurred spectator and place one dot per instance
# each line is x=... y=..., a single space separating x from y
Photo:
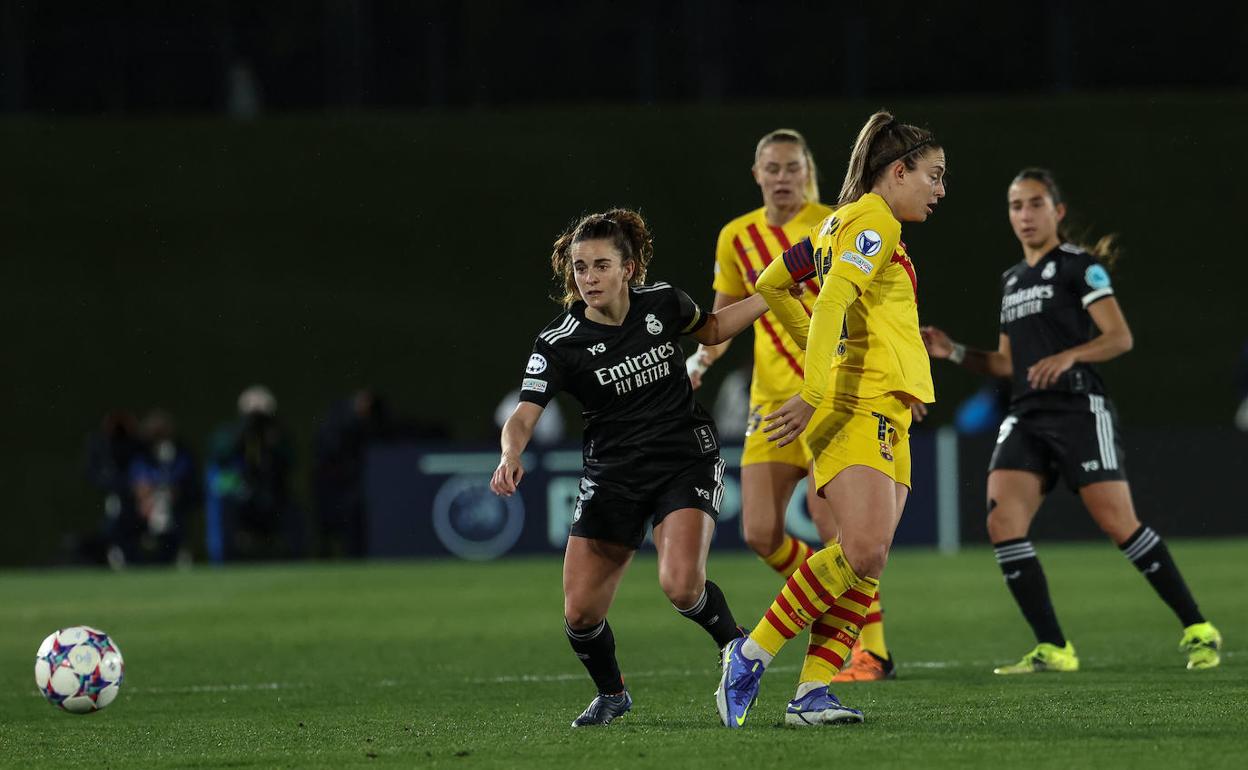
x=1241 y=387
x=984 y=410
x=163 y=479
x=110 y=450
x=353 y=423
x=550 y=426
x=249 y=511
x=732 y=404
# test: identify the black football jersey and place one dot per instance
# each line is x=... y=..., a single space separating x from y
x=1044 y=310
x=638 y=406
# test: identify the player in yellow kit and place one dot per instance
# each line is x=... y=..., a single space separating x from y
x=866 y=366
x=784 y=169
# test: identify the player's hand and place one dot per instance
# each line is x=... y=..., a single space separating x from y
x=696 y=365
x=507 y=476
x=787 y=423
x=1045 y=372
x=936 y=341
x=918 y=410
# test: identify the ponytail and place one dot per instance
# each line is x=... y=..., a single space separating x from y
x=627 y=232
x=1106 y=248
x=882 y=142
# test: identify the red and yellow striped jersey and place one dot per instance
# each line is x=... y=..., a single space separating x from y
x=878 y=350
x=746 y=246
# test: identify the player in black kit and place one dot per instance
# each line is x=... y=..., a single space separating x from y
x=1058 y=317
x=651 y=452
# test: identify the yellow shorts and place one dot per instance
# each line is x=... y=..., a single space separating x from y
x=874 y=432
x=759 y=450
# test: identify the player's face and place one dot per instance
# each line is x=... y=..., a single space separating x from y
x=601 y=275
x=781 y=172
x=922 y=188
x=1032 y=213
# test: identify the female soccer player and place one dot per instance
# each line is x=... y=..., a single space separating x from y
x=1058 y=317
x=784 y=169
x=651 y=451
x=865 y=367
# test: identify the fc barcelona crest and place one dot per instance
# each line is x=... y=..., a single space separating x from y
x=886 y=451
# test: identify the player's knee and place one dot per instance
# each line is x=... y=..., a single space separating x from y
x=1119 y=523
x=1005 y=522
x=683 y=586
x=867 y=559
x=581 y=615
x=763 y=542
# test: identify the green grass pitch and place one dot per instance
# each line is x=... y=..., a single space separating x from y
x=451 y=664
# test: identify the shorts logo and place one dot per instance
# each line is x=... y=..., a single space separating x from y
x=702 y=493
x=587 y=491
x=1096 y=277
x=538 y=386
x=653 y=325
x=537 y=364
x=858 y=261
x=840 y=348
x=869 y=242
x=884 y=433
x=1049 y=271
x=1091 y=466
x=706 y=438
x=754 y=421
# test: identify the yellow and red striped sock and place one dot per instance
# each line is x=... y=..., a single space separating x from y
x=806 y=595
x=833 y=634
x=872 y=637
x=789 y=556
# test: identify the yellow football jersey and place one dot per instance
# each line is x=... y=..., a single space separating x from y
x=880 y=350
x=746 y=246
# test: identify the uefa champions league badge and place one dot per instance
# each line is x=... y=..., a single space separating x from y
x=1096 y=277
x=868 y=242
x=537 y=364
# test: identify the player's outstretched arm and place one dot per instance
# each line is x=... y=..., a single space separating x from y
x=994 y=363
x=517 y=432
x=701 y=360
x=723 y=325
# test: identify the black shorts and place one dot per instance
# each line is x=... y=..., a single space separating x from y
x=1081 y=446
x=620 y=513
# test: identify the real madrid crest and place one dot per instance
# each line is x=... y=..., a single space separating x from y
x=653 y=325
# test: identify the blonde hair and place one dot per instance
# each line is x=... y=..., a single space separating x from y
x=811 y=188
x=1106 y=248
x=627 y=232
x=882 y=142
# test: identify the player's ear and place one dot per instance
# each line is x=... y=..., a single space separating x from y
x=630 y=267
x=1061 y=211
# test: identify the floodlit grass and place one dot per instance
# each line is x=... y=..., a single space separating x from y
x=450 y=664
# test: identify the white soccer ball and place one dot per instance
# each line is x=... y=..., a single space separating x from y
x=79 y=669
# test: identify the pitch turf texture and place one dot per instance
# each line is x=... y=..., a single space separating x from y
x=451 y=664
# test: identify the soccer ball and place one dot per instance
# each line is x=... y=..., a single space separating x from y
x=79 y=669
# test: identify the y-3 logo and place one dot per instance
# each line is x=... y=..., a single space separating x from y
x=601 y=347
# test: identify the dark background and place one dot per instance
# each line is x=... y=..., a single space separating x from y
x=318 y=196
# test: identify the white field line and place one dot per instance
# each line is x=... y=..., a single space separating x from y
x=534 y=678
x=196 y=689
